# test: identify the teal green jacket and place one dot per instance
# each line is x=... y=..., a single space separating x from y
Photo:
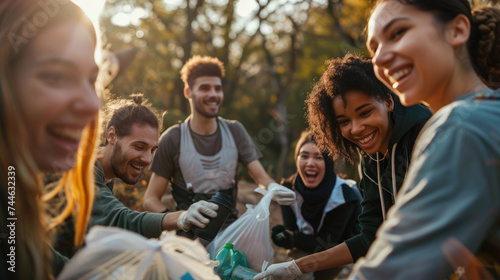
x=448 y=209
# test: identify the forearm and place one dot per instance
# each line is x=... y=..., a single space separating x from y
x=333 y=257
x=258 y=174
x=264 y=183
x=154 y=192
x=153 y=204
x=308 y=243
x=109 y=211
x=169 y=221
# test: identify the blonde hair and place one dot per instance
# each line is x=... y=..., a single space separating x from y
x=33 y=254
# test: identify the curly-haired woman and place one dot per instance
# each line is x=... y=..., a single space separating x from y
x=353 y=115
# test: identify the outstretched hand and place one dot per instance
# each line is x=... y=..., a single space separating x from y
x=280 y=271
x=197 y=215
x=282 y=195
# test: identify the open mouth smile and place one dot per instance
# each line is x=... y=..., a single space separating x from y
x=66 y=133
x=396 y=77
x=137 y=167
x=366 y=139
x=311 y=174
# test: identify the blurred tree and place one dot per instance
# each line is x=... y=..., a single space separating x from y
x=273 y=51
x=485 y=2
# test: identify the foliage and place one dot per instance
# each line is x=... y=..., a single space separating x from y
x=272 y=57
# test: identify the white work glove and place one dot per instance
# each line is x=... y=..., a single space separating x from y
x=282 y=195
x=194 y=215
x=280 y=271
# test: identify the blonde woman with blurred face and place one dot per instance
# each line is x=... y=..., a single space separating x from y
x=442 y=54
x=49 y=124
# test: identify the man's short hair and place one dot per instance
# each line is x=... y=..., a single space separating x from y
x=198 y=66
x=123 y=113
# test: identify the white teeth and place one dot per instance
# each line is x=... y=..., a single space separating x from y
x=137 y=167
x=400 y=74
x=311 y=173
x=71 y=134
x=366 y=139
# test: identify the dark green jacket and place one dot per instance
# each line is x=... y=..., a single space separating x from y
x=109 y=211
x=407 y=123
x=58 y=262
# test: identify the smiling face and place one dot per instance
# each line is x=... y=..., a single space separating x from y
x=310 y=165
x=410 y=53
x=364 y=120
x=206 y=96
x=55 y=82
x=132 y=153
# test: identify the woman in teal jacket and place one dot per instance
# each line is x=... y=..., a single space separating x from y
x=447 y=217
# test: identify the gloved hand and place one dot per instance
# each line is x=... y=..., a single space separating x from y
x=196 y=215
x=281 y=237
x=280 y=271
x=282 y=195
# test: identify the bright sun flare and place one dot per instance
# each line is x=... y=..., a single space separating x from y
x=92 y=8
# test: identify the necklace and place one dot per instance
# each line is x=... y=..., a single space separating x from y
x=378 y=160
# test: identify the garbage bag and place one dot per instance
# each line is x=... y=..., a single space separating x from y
x=249 y=234
x=114 y=253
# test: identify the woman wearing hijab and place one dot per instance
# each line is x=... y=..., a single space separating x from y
x=326 y=210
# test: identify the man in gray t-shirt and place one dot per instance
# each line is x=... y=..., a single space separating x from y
x=200 y=156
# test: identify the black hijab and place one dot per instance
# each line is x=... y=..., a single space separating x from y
x=315 y=199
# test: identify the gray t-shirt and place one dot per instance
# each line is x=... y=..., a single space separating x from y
x=166 y=160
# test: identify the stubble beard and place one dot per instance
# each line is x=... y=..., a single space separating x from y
x=117 y=159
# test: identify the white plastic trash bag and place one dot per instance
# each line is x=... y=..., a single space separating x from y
x=249 y=234
x=114 y=253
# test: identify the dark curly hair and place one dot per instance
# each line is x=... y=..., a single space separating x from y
x=198 y=66
x=342 y=75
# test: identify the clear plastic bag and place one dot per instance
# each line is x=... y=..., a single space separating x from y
x=249 y=234
x=113 y=253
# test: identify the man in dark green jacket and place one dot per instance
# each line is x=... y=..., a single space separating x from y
x=129 y=143
x=129 y=146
